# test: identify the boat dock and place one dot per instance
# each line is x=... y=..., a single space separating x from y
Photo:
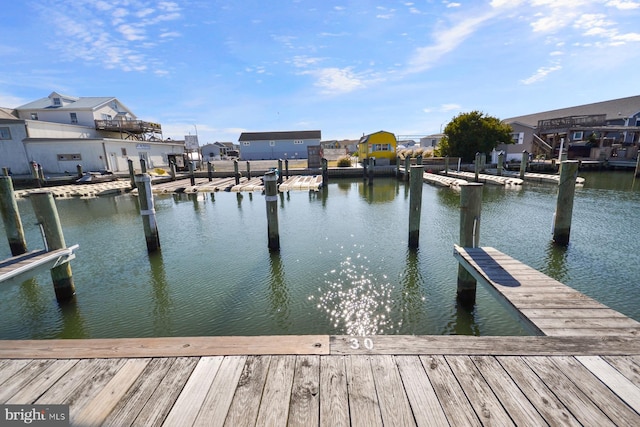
x=541 y=177
x=442 y=180
x=583 y=369
x=485 y=178
x=29 y=264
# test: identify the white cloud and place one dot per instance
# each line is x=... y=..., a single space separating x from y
x=443 y=108
x=540 y=74
x=624 y=5
x=334 y=81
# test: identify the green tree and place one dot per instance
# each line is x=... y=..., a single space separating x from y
x=471 y=133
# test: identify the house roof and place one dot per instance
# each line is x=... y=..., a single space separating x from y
x=7 y=114
x=285 y=135
x=614 y=109
x=73 y=103
x=365 y=138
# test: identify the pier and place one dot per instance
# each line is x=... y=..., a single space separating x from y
x=486 y=178
x=297 y=182
x=582 y=369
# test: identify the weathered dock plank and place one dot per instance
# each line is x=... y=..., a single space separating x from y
x=304 y=409
x=485 y=178
x=334 y=405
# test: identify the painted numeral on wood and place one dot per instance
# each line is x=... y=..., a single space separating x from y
x=367 y=342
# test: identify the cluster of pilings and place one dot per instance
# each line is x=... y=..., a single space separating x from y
x=46 y=213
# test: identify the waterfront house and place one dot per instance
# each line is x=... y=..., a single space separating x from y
x=60 y=132
x=278 y=145
x=601 y=130
x=381 y=145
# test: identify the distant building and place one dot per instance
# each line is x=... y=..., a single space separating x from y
x=381 y=145
x=60 y=132
x=218 y=151
x=277 y=145
x=431 y=141
x=598 y=131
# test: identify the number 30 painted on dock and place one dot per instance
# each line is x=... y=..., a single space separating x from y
x=368 y=343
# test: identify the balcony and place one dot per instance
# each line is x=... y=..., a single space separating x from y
x=131 y=129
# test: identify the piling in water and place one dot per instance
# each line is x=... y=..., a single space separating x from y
x=271 y=198
x=279 y=171
x=477 y=168
x=523 y=163
x=79 y=172
x=286 y=168
x=143 y=166
x=446 y=165
x=44 y=207
x=11 y=217
x=407 y=167
x=564 y=203
x=172 y=170
x=470 y=209
x=372 y=162
x=132 y=173
x=148 y=212
x=415 y=205
x=236 y=174
x=192 y=174
x=248 y=170
x=210 y=170
x=500 y=163
x=325 y=172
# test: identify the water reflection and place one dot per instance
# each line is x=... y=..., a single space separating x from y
x=278 y=292
x=382 y=191
x=412 y=299
x=463 y=322
x=357 y=301
x=555 y=262
x=73 y=325
x=160 y=295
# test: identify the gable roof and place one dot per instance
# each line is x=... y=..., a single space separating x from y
x=7 y=114
x=614 y=109
x=285 y=135
x=365 y=138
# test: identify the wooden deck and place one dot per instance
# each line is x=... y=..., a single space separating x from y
x=331 y=381
x=293 y=183
x=584 y=369
x=485 y=178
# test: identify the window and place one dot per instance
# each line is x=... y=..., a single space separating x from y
x=74 y=117
x=69 y=157
x=246 y=143
x=577 y=136
x=56 y=102
x=124 y=152
x=106 y=116
x=518 y=137
x=34 y=116
x=298 y=141
x=5 y=133
x=381 y=147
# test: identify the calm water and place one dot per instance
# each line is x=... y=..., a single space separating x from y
x=343 y=268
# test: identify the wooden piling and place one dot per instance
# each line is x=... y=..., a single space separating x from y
x=446 y=165
x=79 y=171
x=470 y=209
x=564 y=203
x=397 y=166
x=325 y=172
x=44 y=207
x=415 y=205
x=11 y=217
x=148 y=212
x=132 y=173
x=370 y=170
x=419 y=159
x=500 y=163
x=477 y=168
x=407 y=167
x=192 y=174
x=279 y=171
x=172 y=170
x=248 y=170
x=236 y=173
x=523 y=163
x=637 y=172
x=143 y=166
x=271 y=198
x=286 y=168
x=210 y=170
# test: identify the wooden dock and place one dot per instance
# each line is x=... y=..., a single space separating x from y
x=583 y=369
x=31 y=263
x=486 y=178
x=442 y=180
x=542 y=177
x=293 y=183
x=81 y=190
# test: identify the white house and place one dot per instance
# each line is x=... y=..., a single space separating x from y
x=99 y=133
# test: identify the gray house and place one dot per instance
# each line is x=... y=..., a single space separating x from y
x=277 y=145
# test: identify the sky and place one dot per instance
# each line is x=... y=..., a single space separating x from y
x=218 y=68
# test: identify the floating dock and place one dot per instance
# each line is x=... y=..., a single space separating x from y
x=485 y=178
x=442 y=180
x=541 y=177
x=579 y=371
x=293 y=183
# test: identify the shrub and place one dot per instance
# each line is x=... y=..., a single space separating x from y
x=344 y=162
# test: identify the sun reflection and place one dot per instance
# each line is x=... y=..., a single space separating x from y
x=357 y=301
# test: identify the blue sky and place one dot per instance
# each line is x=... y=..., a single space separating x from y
x=344 y=67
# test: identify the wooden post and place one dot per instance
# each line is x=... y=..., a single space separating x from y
x=370 y=170
x=407 y=167
x=210 y=170
x=286 y=168
x=419 y=159
x=397 y=166
x=500 y=163
x=564 y=204
x=279 y=171
x=79 y=171
x=271 y=198
x=325 y=172
x=446 y=165
x=637 y=172
x=236 y=174
x=132 y=173
x=143 y=166
x=523 y=163
x=5 y=171
x=11 y=217
x=470 y=209
x=148 y=212
x=477 y=168
x=172 y=170
x=415 y=205
x=192 y=174
x=365 y=167
x=248 y=170
x=46 y=213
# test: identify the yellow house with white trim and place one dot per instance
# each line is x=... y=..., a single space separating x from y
x=381 y=145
